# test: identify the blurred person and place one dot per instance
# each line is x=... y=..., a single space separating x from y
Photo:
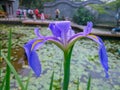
x=57 y=12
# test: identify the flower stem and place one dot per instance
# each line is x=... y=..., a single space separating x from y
x=67 y=59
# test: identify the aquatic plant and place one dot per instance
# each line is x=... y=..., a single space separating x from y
x=65 y=38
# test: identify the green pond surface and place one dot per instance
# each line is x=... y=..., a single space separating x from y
x=85 y=61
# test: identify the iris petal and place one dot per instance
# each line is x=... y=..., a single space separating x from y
x=64 y=26
x=88 y=28
x=36 y=31
x=35 y=63
x=28 y=47
x=55 y=31
x=59 y=28
x=103 y=57
x=32 y=57
x=102 y=53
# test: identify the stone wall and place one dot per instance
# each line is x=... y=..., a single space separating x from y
x=67 y=8
x=15 y=5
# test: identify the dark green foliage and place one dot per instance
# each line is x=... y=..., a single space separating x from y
x=100 y=8
x=82 y=16
x=33 y=4
x=115 y=5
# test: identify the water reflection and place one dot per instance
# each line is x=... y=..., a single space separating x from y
x=18 y=58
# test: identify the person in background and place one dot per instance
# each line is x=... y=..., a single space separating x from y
x=117 y=16
x=19 y=13
x=24 y=13
x=34 y=17
x=116 y=29
x=30 y=13
x=57 y=12
x=42 y=17
x=36 y=12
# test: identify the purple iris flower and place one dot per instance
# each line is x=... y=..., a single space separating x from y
x=64 y=37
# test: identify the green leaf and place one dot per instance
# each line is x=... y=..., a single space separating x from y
x=7 y=87
x=51 y=83
x=3 y=83
x=10 y=67
x=14 y=71
x=78 y=83
x=89 y=83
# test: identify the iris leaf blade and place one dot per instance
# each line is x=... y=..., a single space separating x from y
x=89 y=83
x=51 y=83
x=7 y=87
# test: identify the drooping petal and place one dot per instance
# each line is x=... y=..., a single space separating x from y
x=34 y=63
x=103 y=57
x=28 y=47
x=102 y=53
x=33 y=44
x=37 y=44
x=94 y=38
x=32 y=57
x=88 y=28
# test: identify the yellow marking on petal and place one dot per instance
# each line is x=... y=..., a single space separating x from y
x=93 y=36
x=37 y=41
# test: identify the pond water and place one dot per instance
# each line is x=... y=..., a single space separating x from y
x=84 y=61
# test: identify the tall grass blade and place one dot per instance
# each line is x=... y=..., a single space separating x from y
x=78 y=83
x=14 y=71
x=7 y=87
x=89 y=83
x=0 y=55
x=10 y=67
x=51 y=83
x=1 y=80
x=3 y=83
